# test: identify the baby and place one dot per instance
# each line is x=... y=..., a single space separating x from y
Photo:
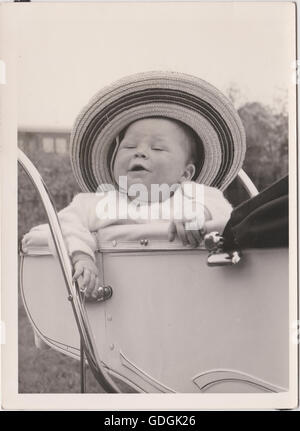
x=153 y=150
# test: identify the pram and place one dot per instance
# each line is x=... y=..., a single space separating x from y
x=167 y=321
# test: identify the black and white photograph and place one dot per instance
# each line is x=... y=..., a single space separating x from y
x=156 y=208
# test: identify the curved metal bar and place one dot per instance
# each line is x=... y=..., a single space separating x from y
x=247 y=183
x=211 y=378
x=74 y=294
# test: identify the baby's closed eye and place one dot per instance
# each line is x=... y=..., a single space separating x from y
x=128 y=146
x=158 y=147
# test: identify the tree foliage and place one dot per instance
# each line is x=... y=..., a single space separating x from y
x=267 y=143
x=57 y=174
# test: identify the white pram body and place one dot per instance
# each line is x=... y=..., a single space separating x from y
x=173 y=324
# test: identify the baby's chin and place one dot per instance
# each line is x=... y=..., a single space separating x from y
x=135 y=184
x=146 y=191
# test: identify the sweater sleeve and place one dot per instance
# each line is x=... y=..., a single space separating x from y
x=215 y=202
x=210 y=208
x=76 y=221
x=77 y=226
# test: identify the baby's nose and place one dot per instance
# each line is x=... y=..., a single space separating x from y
x=141 y=151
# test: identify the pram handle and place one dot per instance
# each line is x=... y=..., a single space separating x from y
x=73 y=291
x=247 y=183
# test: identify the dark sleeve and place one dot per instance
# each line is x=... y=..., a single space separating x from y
x=260 y=222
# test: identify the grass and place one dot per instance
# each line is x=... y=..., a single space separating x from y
x=47 y=371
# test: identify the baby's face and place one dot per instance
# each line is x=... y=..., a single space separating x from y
x=154 y=151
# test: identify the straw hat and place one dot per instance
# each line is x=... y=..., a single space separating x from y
x=158 y=94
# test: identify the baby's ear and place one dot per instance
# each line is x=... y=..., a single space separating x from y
x=189 y=172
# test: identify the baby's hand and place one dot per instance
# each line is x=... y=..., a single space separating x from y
x=35 y=237
x=186 y=236
x=86 y=273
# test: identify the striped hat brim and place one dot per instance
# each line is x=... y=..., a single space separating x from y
x=173 y=95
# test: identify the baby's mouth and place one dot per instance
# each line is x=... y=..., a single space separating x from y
x=138 y=168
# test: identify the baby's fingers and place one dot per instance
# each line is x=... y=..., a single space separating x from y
x=191 y=239
x=80 y=283
x=171 y=231
x=86 y=277
x=181 y=233
x=197 y=235
x=92 y=292
x=95 y=292
x=78 y=272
